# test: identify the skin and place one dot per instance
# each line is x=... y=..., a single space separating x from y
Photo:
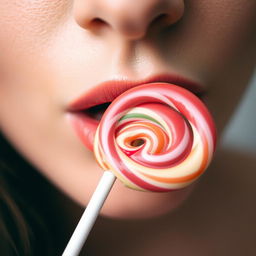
x=51 y=51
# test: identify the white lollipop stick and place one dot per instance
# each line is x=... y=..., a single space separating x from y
x=90 y=214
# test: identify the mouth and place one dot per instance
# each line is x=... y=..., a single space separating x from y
x=96 y=112
x=85 y=112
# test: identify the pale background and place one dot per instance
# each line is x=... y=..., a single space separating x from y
x=240 y=134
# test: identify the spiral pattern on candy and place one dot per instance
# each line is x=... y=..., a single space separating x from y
x=156 y=137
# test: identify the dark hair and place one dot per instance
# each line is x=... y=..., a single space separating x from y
x=23 y=226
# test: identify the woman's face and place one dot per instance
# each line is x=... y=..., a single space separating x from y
x=54 y=52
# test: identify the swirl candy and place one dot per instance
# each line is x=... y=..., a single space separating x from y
x=156 y=137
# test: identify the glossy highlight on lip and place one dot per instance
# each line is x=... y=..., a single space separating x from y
x=86 y=125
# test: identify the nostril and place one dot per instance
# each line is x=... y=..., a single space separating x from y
x=163 y=20
x=98 y=23
x=160 y=21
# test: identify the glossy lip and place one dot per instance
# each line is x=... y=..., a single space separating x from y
x=109 y=90
x=86 y=126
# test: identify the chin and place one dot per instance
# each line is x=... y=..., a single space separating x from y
x=125 y=203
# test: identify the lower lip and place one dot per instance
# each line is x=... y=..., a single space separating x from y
x=85 y=127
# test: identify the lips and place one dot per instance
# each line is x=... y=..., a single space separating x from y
x=85 y=112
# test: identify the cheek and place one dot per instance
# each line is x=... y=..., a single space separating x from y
x=228 y=30
x=26 y=25
x=40 y=41
x=213 y=35
x=27 y=28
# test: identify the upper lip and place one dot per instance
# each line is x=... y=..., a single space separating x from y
x=109 y=90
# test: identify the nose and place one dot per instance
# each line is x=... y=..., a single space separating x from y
x=131 y=19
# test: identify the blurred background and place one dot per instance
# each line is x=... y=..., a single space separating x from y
x=240 y=134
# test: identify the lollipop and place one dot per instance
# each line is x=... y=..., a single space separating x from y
x=155 y=137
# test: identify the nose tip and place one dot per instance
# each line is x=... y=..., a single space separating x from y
x=131 y=19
